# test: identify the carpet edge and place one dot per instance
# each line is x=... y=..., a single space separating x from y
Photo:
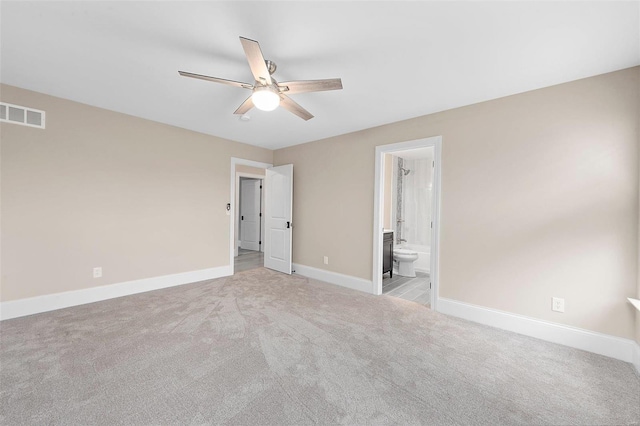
x=599 y=343
x=51 y=302
x=336 y=278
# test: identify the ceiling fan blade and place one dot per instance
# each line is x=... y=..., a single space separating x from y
x=216 y=80
x=291 y=106
x=245 y=107
x=256 y=60
x=303 y=86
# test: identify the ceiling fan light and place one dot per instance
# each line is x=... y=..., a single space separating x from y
x=265 y=99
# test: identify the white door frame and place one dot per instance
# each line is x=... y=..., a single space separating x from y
x=232 y=197
x=381 y=150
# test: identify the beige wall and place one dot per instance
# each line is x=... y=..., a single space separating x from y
x=247 y=169
x=387 y=192
x=540 y=199
x=99 y=188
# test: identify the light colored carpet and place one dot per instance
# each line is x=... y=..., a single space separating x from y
x=263 y=348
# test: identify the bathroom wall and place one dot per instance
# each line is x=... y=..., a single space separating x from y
x=387 y=214
x=398 y=199
x=637 y=313
x=416 y=201
x=415 y=206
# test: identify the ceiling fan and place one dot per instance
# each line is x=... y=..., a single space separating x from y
x=267 y=92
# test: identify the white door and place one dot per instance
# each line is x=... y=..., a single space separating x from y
x=278 y=211
x=250 y=214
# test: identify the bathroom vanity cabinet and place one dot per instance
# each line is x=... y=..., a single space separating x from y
x=387 y=253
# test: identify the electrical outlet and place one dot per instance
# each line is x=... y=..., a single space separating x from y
x=326 y=260
x=97 y=272
x=557 y=304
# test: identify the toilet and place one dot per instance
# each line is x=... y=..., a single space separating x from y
x=405 y=259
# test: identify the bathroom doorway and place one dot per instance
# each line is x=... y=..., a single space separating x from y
x=406 y=220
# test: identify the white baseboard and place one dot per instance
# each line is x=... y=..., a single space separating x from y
x=51 y=302
x=636 y=357
x=342 y=280
x=599 y=343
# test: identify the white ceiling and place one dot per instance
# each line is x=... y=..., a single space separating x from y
x=397 y=60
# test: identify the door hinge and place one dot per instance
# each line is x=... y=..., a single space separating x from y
x=433 y=163
x=431 y=225
x=259 y=242
x=260 y=186
x=241 y=217
x=260 y=214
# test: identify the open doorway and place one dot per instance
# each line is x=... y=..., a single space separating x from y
x=406 y=220
x=275 y=244
x=246 y=211
x=249 y=221
x=249 y=217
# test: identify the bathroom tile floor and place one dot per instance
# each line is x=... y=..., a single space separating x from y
x=414 y=289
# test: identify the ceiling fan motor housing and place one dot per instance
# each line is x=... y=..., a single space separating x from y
x=271 y=66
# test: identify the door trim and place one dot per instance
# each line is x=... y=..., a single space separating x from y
x=381 y=150
x=232 y=198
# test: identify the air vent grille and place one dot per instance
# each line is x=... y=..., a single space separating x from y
x=17 y=114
